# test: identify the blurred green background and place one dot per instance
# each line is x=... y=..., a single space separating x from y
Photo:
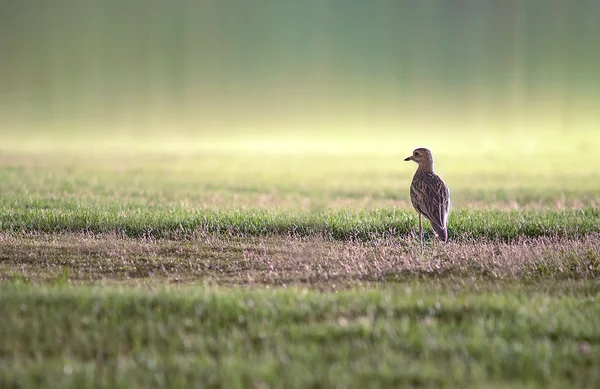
x=273 y=74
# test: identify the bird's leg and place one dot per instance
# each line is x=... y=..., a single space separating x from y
x=421 y=232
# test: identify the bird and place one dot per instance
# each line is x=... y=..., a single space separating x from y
x=430 y=195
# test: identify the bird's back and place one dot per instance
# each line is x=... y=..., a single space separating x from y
x=431 y=198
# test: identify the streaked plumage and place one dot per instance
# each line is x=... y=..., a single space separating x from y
x=429 y=195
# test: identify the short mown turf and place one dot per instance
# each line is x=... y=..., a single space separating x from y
x=464 y=225
x=419 y=333
x=199 y=264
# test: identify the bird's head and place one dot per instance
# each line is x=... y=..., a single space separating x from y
x=422 y=156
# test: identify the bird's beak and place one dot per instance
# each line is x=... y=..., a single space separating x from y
x=411 y=158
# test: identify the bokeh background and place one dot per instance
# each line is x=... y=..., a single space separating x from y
x=267 y=71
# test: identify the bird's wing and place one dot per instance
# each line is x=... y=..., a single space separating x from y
x=431 y=197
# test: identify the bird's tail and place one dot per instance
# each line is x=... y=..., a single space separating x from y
x=440 y=232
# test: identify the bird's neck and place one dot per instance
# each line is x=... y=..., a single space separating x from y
x=425 y=168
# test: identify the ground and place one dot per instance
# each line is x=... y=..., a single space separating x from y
x=294 y=262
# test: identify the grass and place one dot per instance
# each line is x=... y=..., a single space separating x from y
x=422 y=333
x=231 y=264
x=341 y=196
x=280 y=260
x=340 y=225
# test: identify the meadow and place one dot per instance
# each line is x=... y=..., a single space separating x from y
x=293 y=261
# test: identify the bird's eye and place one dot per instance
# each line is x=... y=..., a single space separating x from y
x=416 y=153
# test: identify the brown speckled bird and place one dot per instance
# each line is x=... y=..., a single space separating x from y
x=429 y=195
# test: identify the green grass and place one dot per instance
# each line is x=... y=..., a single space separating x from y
x=250 y=262
x=356 y=194
x=419 y=333
x=341 y=225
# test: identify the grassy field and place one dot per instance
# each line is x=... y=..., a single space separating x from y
x=282 y=262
